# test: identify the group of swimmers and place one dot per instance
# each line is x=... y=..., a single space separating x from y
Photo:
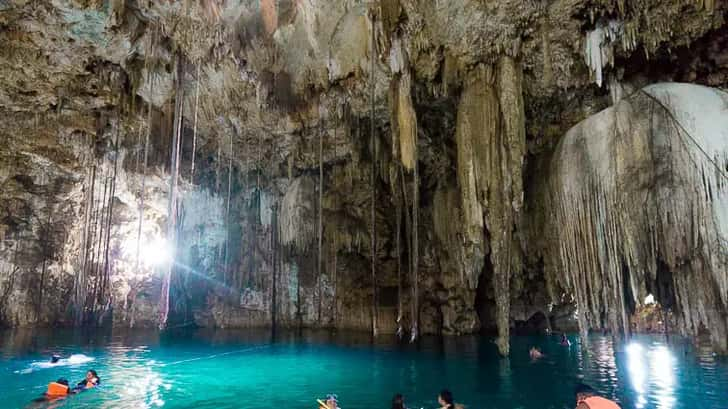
x=586 y=398
x=61 y=388
x=444 y=399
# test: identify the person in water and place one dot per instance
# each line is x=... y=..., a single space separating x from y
x=332 y=402
x=90 y=381
x=587 y=398
x=446 y=401
x=565 y=341
x=56 y=391
x=398 y=402
x=535 y=353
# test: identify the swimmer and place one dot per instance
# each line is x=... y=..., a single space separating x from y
x=331 y=402
x=56 y=391
x=446 y=401
x=398 y=402
x=565 y=341
x=587 y=398
x=91 y=380
x=56 y=361
x=535 y=353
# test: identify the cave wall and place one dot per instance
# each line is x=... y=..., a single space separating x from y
x=419 y=148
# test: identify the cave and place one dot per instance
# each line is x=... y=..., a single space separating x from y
x=403 y=169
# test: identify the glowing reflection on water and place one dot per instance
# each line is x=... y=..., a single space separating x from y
x=652 y=370
x=139 y=383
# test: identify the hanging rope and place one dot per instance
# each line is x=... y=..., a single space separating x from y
x=194 y=126
x=80 y=286
x=227 y=208
x=334 y=243
x=142 y=191
x=239 y=351
x=398 y=230
x=173 y=204
x=320 y=218
x=677 y=123
x=415 y=261
x=373 y=148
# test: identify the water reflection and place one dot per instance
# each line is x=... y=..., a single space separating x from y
x=138 y=383
x=651 y=371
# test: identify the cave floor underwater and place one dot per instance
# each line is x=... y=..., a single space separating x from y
x=252 y=369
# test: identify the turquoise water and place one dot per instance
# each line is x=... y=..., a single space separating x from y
x=227 y=369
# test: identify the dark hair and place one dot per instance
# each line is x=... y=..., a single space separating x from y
x=55 y=358
x=446 y=395
x=584 y=389
x=398 y=401
x=62 y=381
x=98 y=380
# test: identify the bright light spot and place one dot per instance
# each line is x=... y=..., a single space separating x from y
x=634 y=348
x=152 y=253
x=156 y=253
x=650 y=299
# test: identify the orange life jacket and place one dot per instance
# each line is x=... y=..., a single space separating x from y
x=57 y=389
x=597 y=402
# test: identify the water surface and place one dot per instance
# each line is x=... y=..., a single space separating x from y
x=250 y=369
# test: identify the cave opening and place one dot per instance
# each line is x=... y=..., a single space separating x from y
x=485 y=300
x=538 y=323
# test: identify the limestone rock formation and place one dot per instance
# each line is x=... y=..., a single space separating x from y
x=638 y=203
x=324 y=163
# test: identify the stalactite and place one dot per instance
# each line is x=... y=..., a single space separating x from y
x=298 y=215
x=504 y=214
x=548 y=70
x=615 y=236
x=490 y=138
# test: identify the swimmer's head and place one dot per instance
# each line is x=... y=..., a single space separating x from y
x=332 y=401
x=445 y=398
x=55 y=358
x=91 y=376
x=583 y=391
